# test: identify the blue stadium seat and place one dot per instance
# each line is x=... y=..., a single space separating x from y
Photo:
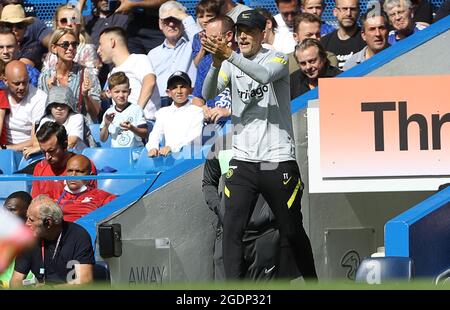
x=119 y=186
x=8 y=162
x=9 y=187
x=95 y=130
x=118 y=158
x=25 y=162
x=146 y=164
x=376 y=270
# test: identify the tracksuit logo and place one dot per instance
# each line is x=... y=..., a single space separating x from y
x=258 y=92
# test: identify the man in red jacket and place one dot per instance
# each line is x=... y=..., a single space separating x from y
x=52 y=139
x=78 y=199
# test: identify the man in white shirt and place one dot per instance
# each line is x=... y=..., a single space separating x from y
x=175 y=53
x=27 y=105
x=284 y=39
x=180 y=123
x=137 y=67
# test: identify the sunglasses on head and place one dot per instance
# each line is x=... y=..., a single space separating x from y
x=65 y=21
x=16 y=25
x=65 y=45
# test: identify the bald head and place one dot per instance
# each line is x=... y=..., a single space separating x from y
x=16 y=75
x=78 y=165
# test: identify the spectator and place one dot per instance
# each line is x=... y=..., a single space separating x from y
x=60 y=243
x=27 y=105
x=218 y=109
x=307 y=25
x=205 y=11
x=443 y=11
x=30 y=49
x=346 y=40
x=68 y=17
x=284 y=41
x=78 y=199
x=317 y=7
x=61 y=108
x=374 y=32
x=103 y=16
x=37 y=31
x=9 y=51
x=138 y=68
x=143 y=30
x=180 y=123
x=81 y=80
x=175 y=53
x=258 y=79
x=53 y=141
x=271 y=28
x=232 y=9
x=124 y=121
x=401 y=17
x=17 y=203
x=312 y=60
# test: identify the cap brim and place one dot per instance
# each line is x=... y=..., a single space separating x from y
x=175 y=79
x=248 y=24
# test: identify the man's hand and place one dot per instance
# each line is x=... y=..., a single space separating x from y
x=165 y=150
x=153 y=153
x=206 y=113
x=126 y=6
x=29 y=150
x=219 y=48
x=217 y=113
x=177 y=13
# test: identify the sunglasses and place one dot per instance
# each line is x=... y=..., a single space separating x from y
x=291 y=13
x=65 y=45
x=16 y=25
x=65 y=21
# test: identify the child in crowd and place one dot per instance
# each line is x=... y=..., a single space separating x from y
x=124 y=121
x=180 y=123
x=205 y=10
x=61 y=108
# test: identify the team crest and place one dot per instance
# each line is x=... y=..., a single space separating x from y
x=229 y=173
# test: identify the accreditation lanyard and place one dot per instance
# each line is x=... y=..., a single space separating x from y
x=60 y=198
x=42 y=270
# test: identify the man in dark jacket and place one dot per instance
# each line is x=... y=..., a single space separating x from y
x=314 y=64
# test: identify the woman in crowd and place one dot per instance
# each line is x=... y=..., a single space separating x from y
x=66 y=72
x=68 y=16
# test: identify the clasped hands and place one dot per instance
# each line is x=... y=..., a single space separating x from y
x=219 y=48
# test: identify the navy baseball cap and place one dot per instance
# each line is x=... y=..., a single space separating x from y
x=252 y=19
x=178 y=75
